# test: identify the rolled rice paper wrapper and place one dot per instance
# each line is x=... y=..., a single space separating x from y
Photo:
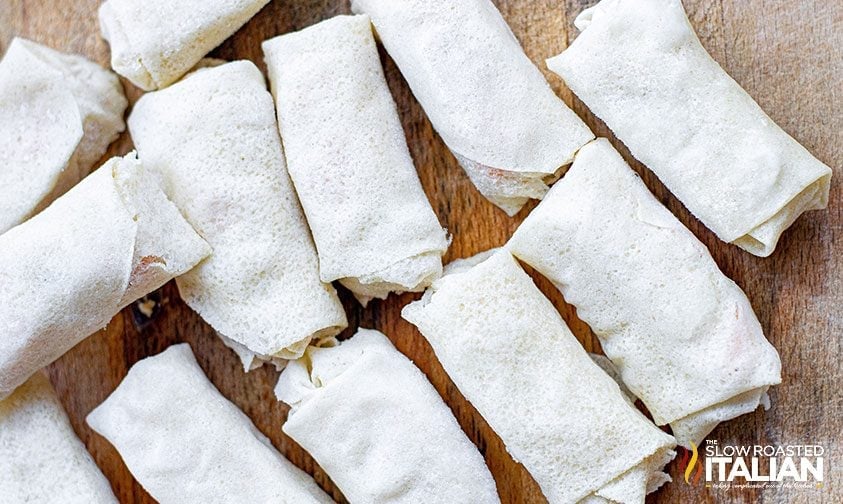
x=186 y=443
x=682 y=335
x=66 y=272
x=214 y=140
x=510 y=353
x=155 y=42
x=640 y=67
x=58 y=114
x=41 y=459
x=487 y=100
x=368 y=416
x=372 y=224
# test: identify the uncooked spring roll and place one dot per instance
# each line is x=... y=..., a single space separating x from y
x=489 y=103
x=372 y=224
x=67 y=271
x=682 y=335
x=41 y=459
x=378 y=427
x=510 y=353
x=214 y=140
x=58 y=114
x=186 y=443
x=154 y=42
x=641 y=68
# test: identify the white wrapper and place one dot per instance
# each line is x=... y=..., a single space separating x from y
x=58 y=114
x=67 y=271
x=214 y=139
x=154 y=42
x=510 y=353
x=372 y=224
x=683 y=337
x=376 y=425
x=186 y=443
x=640 y=67
x=486 y=99
x=41 y=459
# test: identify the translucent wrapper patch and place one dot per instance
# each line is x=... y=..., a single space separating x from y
x=66 y=272
x=486 y=99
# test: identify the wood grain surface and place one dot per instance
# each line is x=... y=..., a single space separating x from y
x=786 y=54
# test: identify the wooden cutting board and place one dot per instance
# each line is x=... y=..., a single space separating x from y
x=786 y=54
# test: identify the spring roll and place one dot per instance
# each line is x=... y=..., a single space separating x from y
x=58 y=115
x=490 y=104
x=510 y=353
x=66 y=272
x=372 y=224
x=682 y=335
x=41 y=459
x=214 y=140
x=368 y=416
x=641 y=68
x=186 y=443
x=155 y=42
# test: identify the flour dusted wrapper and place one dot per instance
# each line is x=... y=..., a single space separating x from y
x=640 y=67
x=186 y=443
x=379 y=428
x=41 y=459
x=682 y=335
x=58 y=114
x=486 y=99
x=214 y=140
x=511 y=355
x=372 y=224
x=155 y=42
x=66 y=272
